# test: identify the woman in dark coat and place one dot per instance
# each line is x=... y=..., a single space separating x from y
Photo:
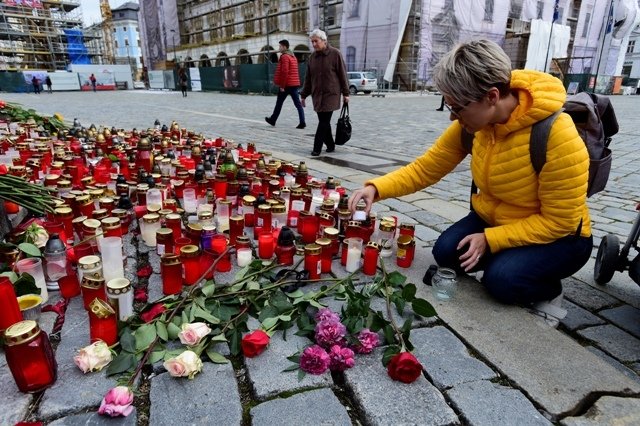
x=325 y=81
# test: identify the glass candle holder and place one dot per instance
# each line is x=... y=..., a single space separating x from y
x=111 y=227
x=312 y=262
x=89 y=266
x=64 y=215
x=190 y=257
x=92 y=288
x=278 y=216
x=103 y=323
x=190 y=202
x=164 y=241
x=112 y=264
x=354 y=253
x=223 y=212
x=263 y=220
x=325 y=254
x=371 y=254
x=33 y=267
x=207 y=257
x=265 y=245
x=10 y=310
x=244 y=256
x=219 y=244
x=171 y=272
x=236 y=228
x=248 y=202
x=120 y=296
x=30 y=357
x=69 y=286
x=405 y=251
x=178 y=243
x=308 y=226
x=173 y=221
x=150 y=224
x=444 y=284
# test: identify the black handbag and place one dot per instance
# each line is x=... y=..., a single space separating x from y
x=343 y=128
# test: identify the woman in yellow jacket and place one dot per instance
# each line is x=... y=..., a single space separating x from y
x=527 y=231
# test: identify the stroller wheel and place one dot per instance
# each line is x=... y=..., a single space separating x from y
x=606 y=259
x=634 y=269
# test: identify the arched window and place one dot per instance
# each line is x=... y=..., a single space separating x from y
x=243 y=57
x=351 y=58
x=222 y=60
x=205 y=61
x=272 y=55
x=302 y=53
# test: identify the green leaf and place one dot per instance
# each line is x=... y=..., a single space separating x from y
x=173 y=353
x=124 y=362
x=13 y=277
x=399 y=302
x=234 y=346
x=253 y=285
x=409 y=292
x=389 y=334
x=269 y=322
x=161 y=329
x=423 y=308
x=26 y=285
x=156 y=356
x=389 y=353
x=198 y=312
x=301 y=375
x=267 y=312
x=396 y=279
x=173 y=330
x=241 y=273
x=144 y=336
x=292 y=367
x=219 y=338
x=406 y=327
x=127 y=341
x=30 y=249
x=208 y=289
x=184 y=317
x=295 y=294
x=316 y=304
x=285 y=318
x=216 y=357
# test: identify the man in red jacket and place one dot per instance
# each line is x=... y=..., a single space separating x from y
x=288 y=81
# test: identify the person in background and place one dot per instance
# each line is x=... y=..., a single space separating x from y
x=441 y=108
x=184 y=81
x=94 y=81
x=47 y=81
x=526 y=230
x=287 y=79
x=326 y=79
x=36 y=85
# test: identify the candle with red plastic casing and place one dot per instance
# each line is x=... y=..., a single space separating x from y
x=171 y=271
x=371 y=254
x=312 y=261
x=248 y=210
x=405 y=252
x=190 y=256
x=308 y=226
x=325 y=254
x=10 y=310
x=236 y=228
x=265 y=245
x=103 y=323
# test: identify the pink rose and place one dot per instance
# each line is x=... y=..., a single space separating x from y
x=326 y=314
x=187 y=364
x=117 y=402
x=93 y=357
x=329 y=333
x=341 y=358
x=193 y=333
x=367 y=341
x=314 y=360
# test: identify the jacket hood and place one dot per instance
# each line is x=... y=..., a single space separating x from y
x=539 y=95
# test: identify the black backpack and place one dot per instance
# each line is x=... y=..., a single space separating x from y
x=596 y=122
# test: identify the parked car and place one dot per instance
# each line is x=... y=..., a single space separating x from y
x=361 y=81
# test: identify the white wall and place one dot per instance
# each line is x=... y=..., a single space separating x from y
x=63 y=80
x=121 y=72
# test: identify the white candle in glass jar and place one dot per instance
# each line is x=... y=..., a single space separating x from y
x=120 y=295
x=112 y=264
x=244 y=256
x=353 y=259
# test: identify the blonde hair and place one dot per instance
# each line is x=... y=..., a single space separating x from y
x=318 y=33
x=470 y=69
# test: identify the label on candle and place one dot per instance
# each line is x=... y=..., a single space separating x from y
x=294 y=221
x=259 y=221
x=319 y=267
x=160 y=248
x=402 y=253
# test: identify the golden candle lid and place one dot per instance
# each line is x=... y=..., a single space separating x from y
x=173 y=216
x=87 y=180
x=165 y=212
x=331 y=232
x=106 y=200
x=151 y=218
x=405 y=240
x=387 y=226
x=21 y=332
x=353 y=223
x=63 y=211
x=64 y=184
x=83 y=200
x=118 y=286
x=120 y=213
x=154 y=208
x=407 y=226
x=323 y=242
x=189 y=251
x=94 y=281
x=278 y=208
x=373 y=244
x=164 y=231
x=110 y=222
x=243 y=239
x=248 y=199
x=236 y=218
x=223 y=201
x=264 y=208
x=79 y=219
x=89 y=262
x=100 y=214
x=194 y=227
x=96 y=194
x=101 y=309
x=325 y=216
x=312 y=249
x=170 y=202
x=91 y=224
x=170 y=259
x=205 y=214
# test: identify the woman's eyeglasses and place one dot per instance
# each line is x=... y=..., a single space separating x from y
x=456 y=110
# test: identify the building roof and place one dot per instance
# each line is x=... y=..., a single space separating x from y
x=128 y=6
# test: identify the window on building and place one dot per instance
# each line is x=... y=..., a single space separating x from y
x=139 y=45
x=249 y=13
x=540 y=7
x=585 y=25
x=116 y=43
x=229 y=22
x=630 y=46
x=351 y=58
x=488 y=10
x=354 y=8
x=329 y=12
x=560 y=14
x=299 y=18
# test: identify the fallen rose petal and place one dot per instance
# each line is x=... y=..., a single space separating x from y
x=140 y=295
x=156 y=310
x=145 y=271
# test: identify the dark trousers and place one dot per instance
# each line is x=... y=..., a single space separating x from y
x=295 y=97
x=519 y=275
x=323 y=132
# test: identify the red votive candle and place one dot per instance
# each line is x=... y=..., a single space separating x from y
x=265 y=245
x=171 y=272
x=190 y=256
x=371 y=253
x=312 y=261
x=103 y=322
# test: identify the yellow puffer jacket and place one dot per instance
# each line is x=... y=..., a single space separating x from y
x=522 y=207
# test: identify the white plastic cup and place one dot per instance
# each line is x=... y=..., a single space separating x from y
x=111 y=251
x=354 y=254
x=190 y=201
x=244 y=257
x=33 y=267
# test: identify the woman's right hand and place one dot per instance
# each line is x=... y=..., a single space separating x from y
x=368 y=194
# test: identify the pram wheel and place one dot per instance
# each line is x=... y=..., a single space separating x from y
x=606 y=259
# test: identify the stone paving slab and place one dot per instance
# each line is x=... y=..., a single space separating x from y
x=587 y=296
x=616 y=364
x=74 y=391
x=550 y=367
x=265 y=371
x=615 y=341
x=445 y=358
x=483 y=403
x=626 y=317
x=621 y=286
x=95 y=419
x=314 y=407
x=385 y=401
x=577 y=317
x=211 y=398
x=15 y=404
x=609 y=410
x=442 y=208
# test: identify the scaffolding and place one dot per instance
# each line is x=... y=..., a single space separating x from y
x=46 y=34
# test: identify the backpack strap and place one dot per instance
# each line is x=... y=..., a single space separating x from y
x=466 y=140
x=538 y=140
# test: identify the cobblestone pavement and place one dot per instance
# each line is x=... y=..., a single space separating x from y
x=485 y=363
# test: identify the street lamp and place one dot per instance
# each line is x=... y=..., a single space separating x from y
x=266 y=4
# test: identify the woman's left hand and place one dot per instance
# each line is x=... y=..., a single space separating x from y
x=477 y=244
x=345 y=99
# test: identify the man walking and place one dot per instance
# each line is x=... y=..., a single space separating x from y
x=288 y=81
x=93 y=80
x=36 y=85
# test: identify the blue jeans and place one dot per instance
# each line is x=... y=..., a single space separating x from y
x=295 y=97
x=519 y=275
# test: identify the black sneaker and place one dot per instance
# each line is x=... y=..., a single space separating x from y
x=330 y=149
x=301 y=126
x=270 y=121
x=315 y=153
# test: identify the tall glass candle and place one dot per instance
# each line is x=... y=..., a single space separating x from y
x=171 y=272
x=112 y=264
x=223 y=212
x=236 y=228
x=354 y=253
x=174 y=222
x=262 y=221
x=244 y=256
x=406 y=250
x=150 y=224
x=325 y=254
x=103 y=324
x=278 y=216
x=120 y=296
x=92 y=288
x=371 y=253
x=65 y=216
x=30 y=356
x=219 y=244
x=312 y=262
x=190 y=256
x=265 y=245
x=308 y=226
x=248 y=210
x=164 y=241
x=33 y=267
